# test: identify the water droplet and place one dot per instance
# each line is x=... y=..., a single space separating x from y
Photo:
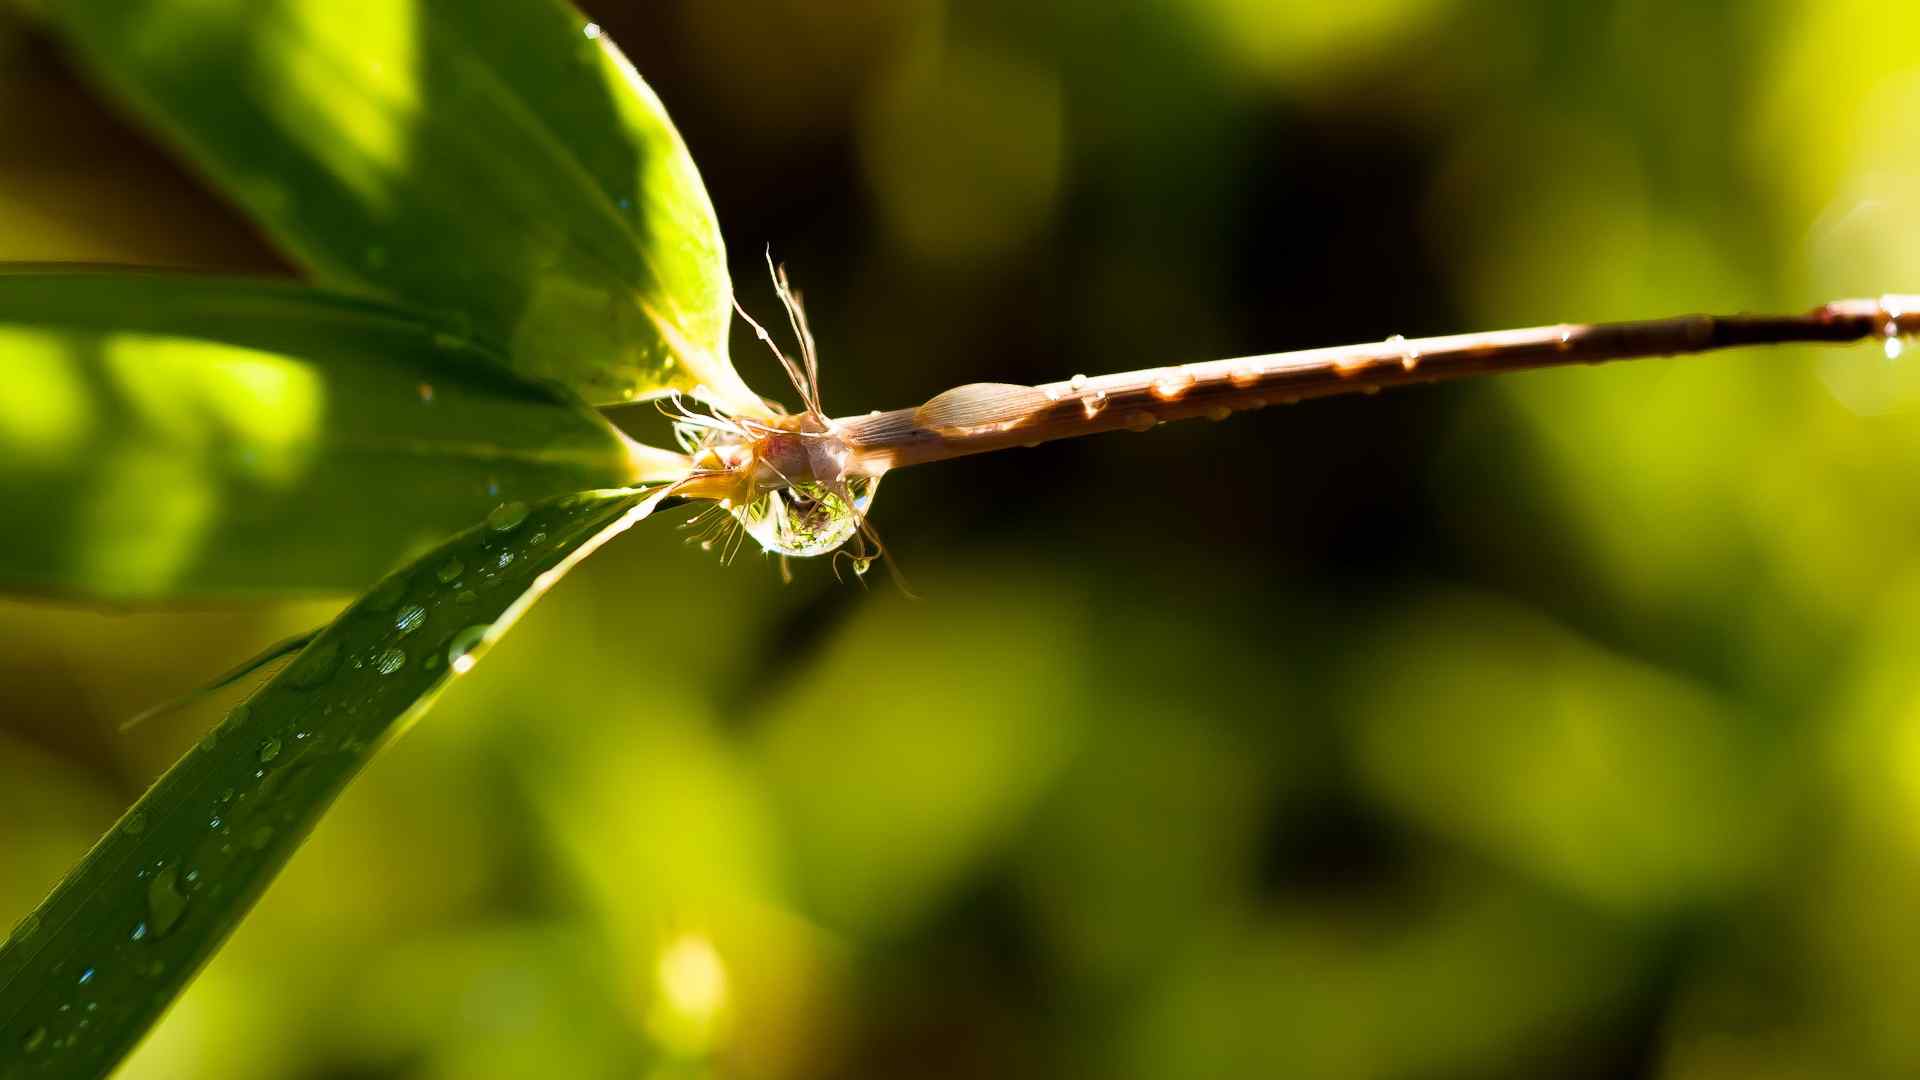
x=135 y=824
x=139 y=932
x=235 y=717
x=1140 y=421
x=26 y=927
x=1172 y=383
x=504 y=560
x=1894 y=347
x=450 y=571
x=86 y=977
x=507 y=516
x=268 y=751
x=165 y=902
x=1094 y=404
x=460 y=650
x=260 y=837
x=1409 y=357
x=592 y=31
x=465 y=596
x=537 y=539
x=1077 y=383
x=807 y=518
x=390 y=661
x=862 y=564
x=35 y=1039
x=315 y=665
x=409 y=619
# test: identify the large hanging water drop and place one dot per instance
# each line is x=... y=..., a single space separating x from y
x=806 y=519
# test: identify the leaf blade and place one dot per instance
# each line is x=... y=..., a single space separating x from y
x=498 y=162
x=125 y=932
x=167 y=437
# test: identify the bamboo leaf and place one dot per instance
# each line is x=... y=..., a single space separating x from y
x=90 y=971
x=165 y=437
x=498 y=161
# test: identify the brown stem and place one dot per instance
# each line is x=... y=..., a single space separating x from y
x=976 y=419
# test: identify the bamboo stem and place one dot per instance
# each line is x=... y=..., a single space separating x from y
x=982 y=418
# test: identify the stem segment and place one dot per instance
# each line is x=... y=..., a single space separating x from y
x=976 y=419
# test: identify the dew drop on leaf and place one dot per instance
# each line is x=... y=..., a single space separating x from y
x=165 y=902
x=450 y=571
x=269 y=750
x=409 y=619
x=460 y=649
x=507 y=517
x=390 y=661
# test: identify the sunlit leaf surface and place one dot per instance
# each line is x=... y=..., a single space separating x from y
x=498 y=162
x=177 y=437
x=84 y=976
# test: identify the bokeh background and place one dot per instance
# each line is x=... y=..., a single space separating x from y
x=1559 y=724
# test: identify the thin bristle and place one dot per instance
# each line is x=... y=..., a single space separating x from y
x=794 y=374
x=797 y=318
x=807 y=380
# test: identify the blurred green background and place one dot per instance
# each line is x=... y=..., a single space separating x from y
x=1559 y=725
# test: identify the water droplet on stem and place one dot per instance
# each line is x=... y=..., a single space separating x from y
x=807 y=518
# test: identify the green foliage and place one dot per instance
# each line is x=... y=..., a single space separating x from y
x=497 y=163
x=523 y=229
x=83 y=978
x=1546 y=726
x=201 y=437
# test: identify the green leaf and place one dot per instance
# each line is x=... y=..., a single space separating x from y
x=88 y=972
x=498 y=161
x=166 y=437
